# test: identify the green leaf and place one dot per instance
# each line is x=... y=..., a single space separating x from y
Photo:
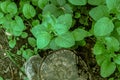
x=24 y=35
x=28 y=11
x=99 y=12
x=4 y=5
x=112 y=43
x=118 y=30
x=60 y=29
x=53 y=45
x=35 y=2
x=12 y=8
x=52 y=9
x=112 y=4
x=35 y=22
x=1 y=15
x=65 y=40
x=96 y=2
x=65 y=19
x=1 y=78
x=12 y=43
x=67 y=9
x=104 y=26
x=78 y=2
x=43 y=39
x=27 y=53
x=100 y=58
x=61 y=2
x=99 y=48
x=42 y=3
x=117 y=59
x=107 y=68
x=37 y=29
x=80 y=34
x=32 y=41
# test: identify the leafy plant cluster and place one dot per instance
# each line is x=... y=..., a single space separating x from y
x=55 y=24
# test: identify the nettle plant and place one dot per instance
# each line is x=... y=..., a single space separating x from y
x=51 y=24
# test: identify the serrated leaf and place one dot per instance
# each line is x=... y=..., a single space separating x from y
x=107 y=68
x=28 y=11
x=78 y=2
x=117 y=59
x=104 y=26
x=65 y=40
x=60 y=29
x=43 y=39
x=12 y=43
x=99 y=49
x=42 y=3
x=80 y=34
x=99 y=12
x=96 y=2
x=112 y=43
x=65 y=19
x=32 y=41
x=12 y=8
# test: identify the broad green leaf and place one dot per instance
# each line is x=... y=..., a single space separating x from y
x=20 y=23
x=112 y=4
x=78 y=2
x=112 y=43
x=117 y=59
x=43 y=39
x=80 y=34
x=60 y=29
x=99 y=48
x=4 y=5
x=107 y=68
x=12 y=8
x=99 y=12
x=32 y=41
x=42 y=3
x=28 y=11
x=65 y=40
x=104 y=26
x=37 y=29
x=53 y=45
x=52 y=9
x=61 y=2
x=12 y=43
x=100 y=58
x=96 y=2
x=65 y=19
x=67 y=9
